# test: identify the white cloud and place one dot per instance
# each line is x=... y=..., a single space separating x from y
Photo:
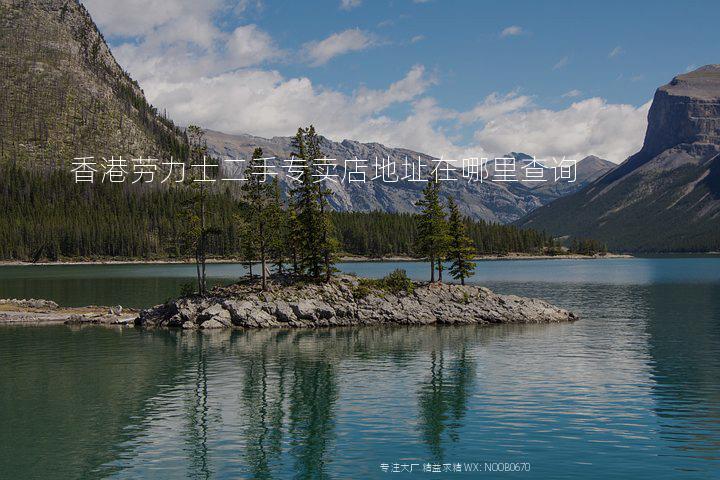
x=495 y=105
x=349 y=4
x=138 y=17
x=561 y=63
x=417 y=38
x=572 y=94
x=615 y=52
x=592 y=126
x=511 y=31
x=266 y=103
x=352 y=40
x=248 y=45
x=220 y=79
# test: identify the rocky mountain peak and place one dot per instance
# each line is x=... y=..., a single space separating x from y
x=685 y=111
x=666 y=197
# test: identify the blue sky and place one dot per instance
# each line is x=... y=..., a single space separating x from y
x=452 y=78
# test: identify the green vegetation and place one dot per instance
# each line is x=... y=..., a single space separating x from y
x=310 y=201
x=47 y=216
x=395 y=282
x=263 y=212
x=64 y=96
x=461 y=251
x=433 y=238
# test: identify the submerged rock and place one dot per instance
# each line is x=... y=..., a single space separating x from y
x=348 y=300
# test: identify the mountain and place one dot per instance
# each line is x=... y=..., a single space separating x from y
x=63 y=95
x=502 y=202
x=666 y=197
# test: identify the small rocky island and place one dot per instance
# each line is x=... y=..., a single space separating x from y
x=346 y=301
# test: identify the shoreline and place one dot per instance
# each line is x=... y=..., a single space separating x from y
x=342 y=259
x=346 y=300
x=33 y=312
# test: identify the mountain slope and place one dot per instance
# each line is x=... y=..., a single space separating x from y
x=63 y=94
x=489 y=201
x=666 y=197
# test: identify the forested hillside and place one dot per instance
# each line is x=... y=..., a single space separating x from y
x=46 y=215
x=63 y=95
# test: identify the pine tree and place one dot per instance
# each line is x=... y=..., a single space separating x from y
x=461 y=250
x=198 y=226
x=262 y=212
x=432 y=228
x=308 y=214
x=327 y=245
x=281 y=241
x=317 y=246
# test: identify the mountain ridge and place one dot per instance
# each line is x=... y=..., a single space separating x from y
x=666 y=197
x=489 y=201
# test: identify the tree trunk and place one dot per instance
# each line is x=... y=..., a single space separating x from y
x=197 y=266
x=263 y=273
x=432 y=269
x=440 y=270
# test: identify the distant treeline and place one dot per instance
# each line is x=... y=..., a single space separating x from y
x=46 y=215
x=378 y=234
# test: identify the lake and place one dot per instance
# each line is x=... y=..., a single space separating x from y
x=630 y=391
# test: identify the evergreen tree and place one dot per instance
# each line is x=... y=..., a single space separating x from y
x=308 y=214
x=433 y=238
x=198 y=227
x=262 y=211
x=281 y=241
x=461 y=250
x=317 y=247
x=326 y=244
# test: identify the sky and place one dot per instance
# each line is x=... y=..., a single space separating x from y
x=453 y=79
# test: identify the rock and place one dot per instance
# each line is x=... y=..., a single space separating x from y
x=212 y=323
x=259 y=318
x=304 y=309
x=30 y=303
x=334 y=304
x=284 y=313
x=117 y=310
x=75 y=319
x=239 y=310
x=215 y=312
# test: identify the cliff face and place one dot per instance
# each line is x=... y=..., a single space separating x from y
x=63 y=94
x=490 y=201
x=666 y=197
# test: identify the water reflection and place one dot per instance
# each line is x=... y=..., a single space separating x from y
x=684 y=342
x=442 y=400
x=197 y=422
x=633 y=384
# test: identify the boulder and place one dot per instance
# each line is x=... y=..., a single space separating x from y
x=216 y=312
x=212 y=323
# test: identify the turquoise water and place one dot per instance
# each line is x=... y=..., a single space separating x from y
x=630 y=391
x=141 y=286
